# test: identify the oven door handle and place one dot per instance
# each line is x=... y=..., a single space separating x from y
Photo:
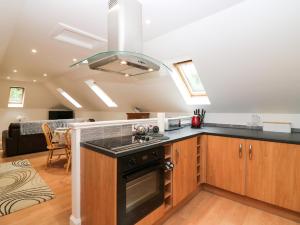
x=134 y=175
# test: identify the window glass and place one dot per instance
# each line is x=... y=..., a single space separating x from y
x=16 y=97
x=190 y=77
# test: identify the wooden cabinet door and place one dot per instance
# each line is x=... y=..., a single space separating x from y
x=185 y=169
x=273 y=173
x=226 y=163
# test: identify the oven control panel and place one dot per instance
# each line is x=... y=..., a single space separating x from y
x=141 y=158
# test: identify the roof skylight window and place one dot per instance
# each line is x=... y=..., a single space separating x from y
x=100 y=93
x=69 y=98
x=188 y=82
x=16 y=97
x=190 y=77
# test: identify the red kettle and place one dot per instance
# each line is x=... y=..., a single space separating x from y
x=196 y=121
x=198 y=118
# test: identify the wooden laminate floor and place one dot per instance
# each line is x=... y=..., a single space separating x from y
x=53 y=212
x=204 y=209
x=210 y=209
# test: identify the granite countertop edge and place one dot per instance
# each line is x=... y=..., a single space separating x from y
x=187 y=132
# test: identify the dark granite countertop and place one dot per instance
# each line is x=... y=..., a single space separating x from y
x=187 y=132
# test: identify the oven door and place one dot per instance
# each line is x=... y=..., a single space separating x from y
x=140 y=193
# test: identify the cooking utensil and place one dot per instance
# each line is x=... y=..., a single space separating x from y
x=141 y=130
x=155 y=129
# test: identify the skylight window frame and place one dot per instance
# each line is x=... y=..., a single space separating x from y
x=101 y=94
x=12 y=104
x=69 y=98
x=185 y=80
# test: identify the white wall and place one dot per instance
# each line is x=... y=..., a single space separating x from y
x=97 y=115
x=8 y=116
x=38 y=101
x=36 y=95
x=246 y=118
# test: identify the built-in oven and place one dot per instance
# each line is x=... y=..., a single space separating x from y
x=140 y=185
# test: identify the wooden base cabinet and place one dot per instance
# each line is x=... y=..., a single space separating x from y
x=262 y=170
x=273 y=173
x=185 y=169
x=225 y=166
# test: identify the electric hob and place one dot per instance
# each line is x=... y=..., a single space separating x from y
x=122 y=143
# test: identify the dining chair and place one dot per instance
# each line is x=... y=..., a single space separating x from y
x=68 y=140
x=52 y=146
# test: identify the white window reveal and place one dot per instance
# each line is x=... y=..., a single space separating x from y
x=189 y=83
x=190 y=77
x=69 y=98
x=100 y=93
x=16 y=97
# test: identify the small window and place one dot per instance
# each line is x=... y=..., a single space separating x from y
x=16 y=97
x=190 y=77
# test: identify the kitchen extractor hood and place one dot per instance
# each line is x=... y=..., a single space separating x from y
x=124 y=55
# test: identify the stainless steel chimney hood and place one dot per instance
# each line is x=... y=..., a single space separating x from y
x=124 y=42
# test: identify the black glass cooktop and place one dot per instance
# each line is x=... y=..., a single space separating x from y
x=125 y=142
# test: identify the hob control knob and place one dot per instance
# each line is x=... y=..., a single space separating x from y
x=155 y=154
x=132 y=162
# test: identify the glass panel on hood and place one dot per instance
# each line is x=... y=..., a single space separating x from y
x=123 y=62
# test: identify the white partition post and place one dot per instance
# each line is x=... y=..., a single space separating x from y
x=75 y=217
x=161 y=117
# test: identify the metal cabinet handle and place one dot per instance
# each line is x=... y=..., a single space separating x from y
x=250 y=152
x=177 y=156
x=241 y=151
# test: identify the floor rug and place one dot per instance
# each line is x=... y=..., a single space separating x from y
x=21 y=187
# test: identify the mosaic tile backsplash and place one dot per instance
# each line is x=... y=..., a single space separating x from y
x=89 y=134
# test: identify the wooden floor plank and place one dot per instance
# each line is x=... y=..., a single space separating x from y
x=205 y=209
x=209 y=209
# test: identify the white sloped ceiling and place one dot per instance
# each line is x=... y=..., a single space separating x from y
x=37 y=96
x=247 y=57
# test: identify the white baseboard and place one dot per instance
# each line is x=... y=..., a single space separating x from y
x=74 y=220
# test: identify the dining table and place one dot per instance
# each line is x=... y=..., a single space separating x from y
x=59 y=135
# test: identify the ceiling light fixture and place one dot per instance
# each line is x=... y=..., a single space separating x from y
x=8 y=77
x=69 y=98
x=85 y=62
x=123 y=62
x=74 y=60
x=34 y=81
x=33 y=51
x=150 y=69
x=100 y=93
x=148 y=22
x=45 y=75
x=15 y=71
x=126 y=75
